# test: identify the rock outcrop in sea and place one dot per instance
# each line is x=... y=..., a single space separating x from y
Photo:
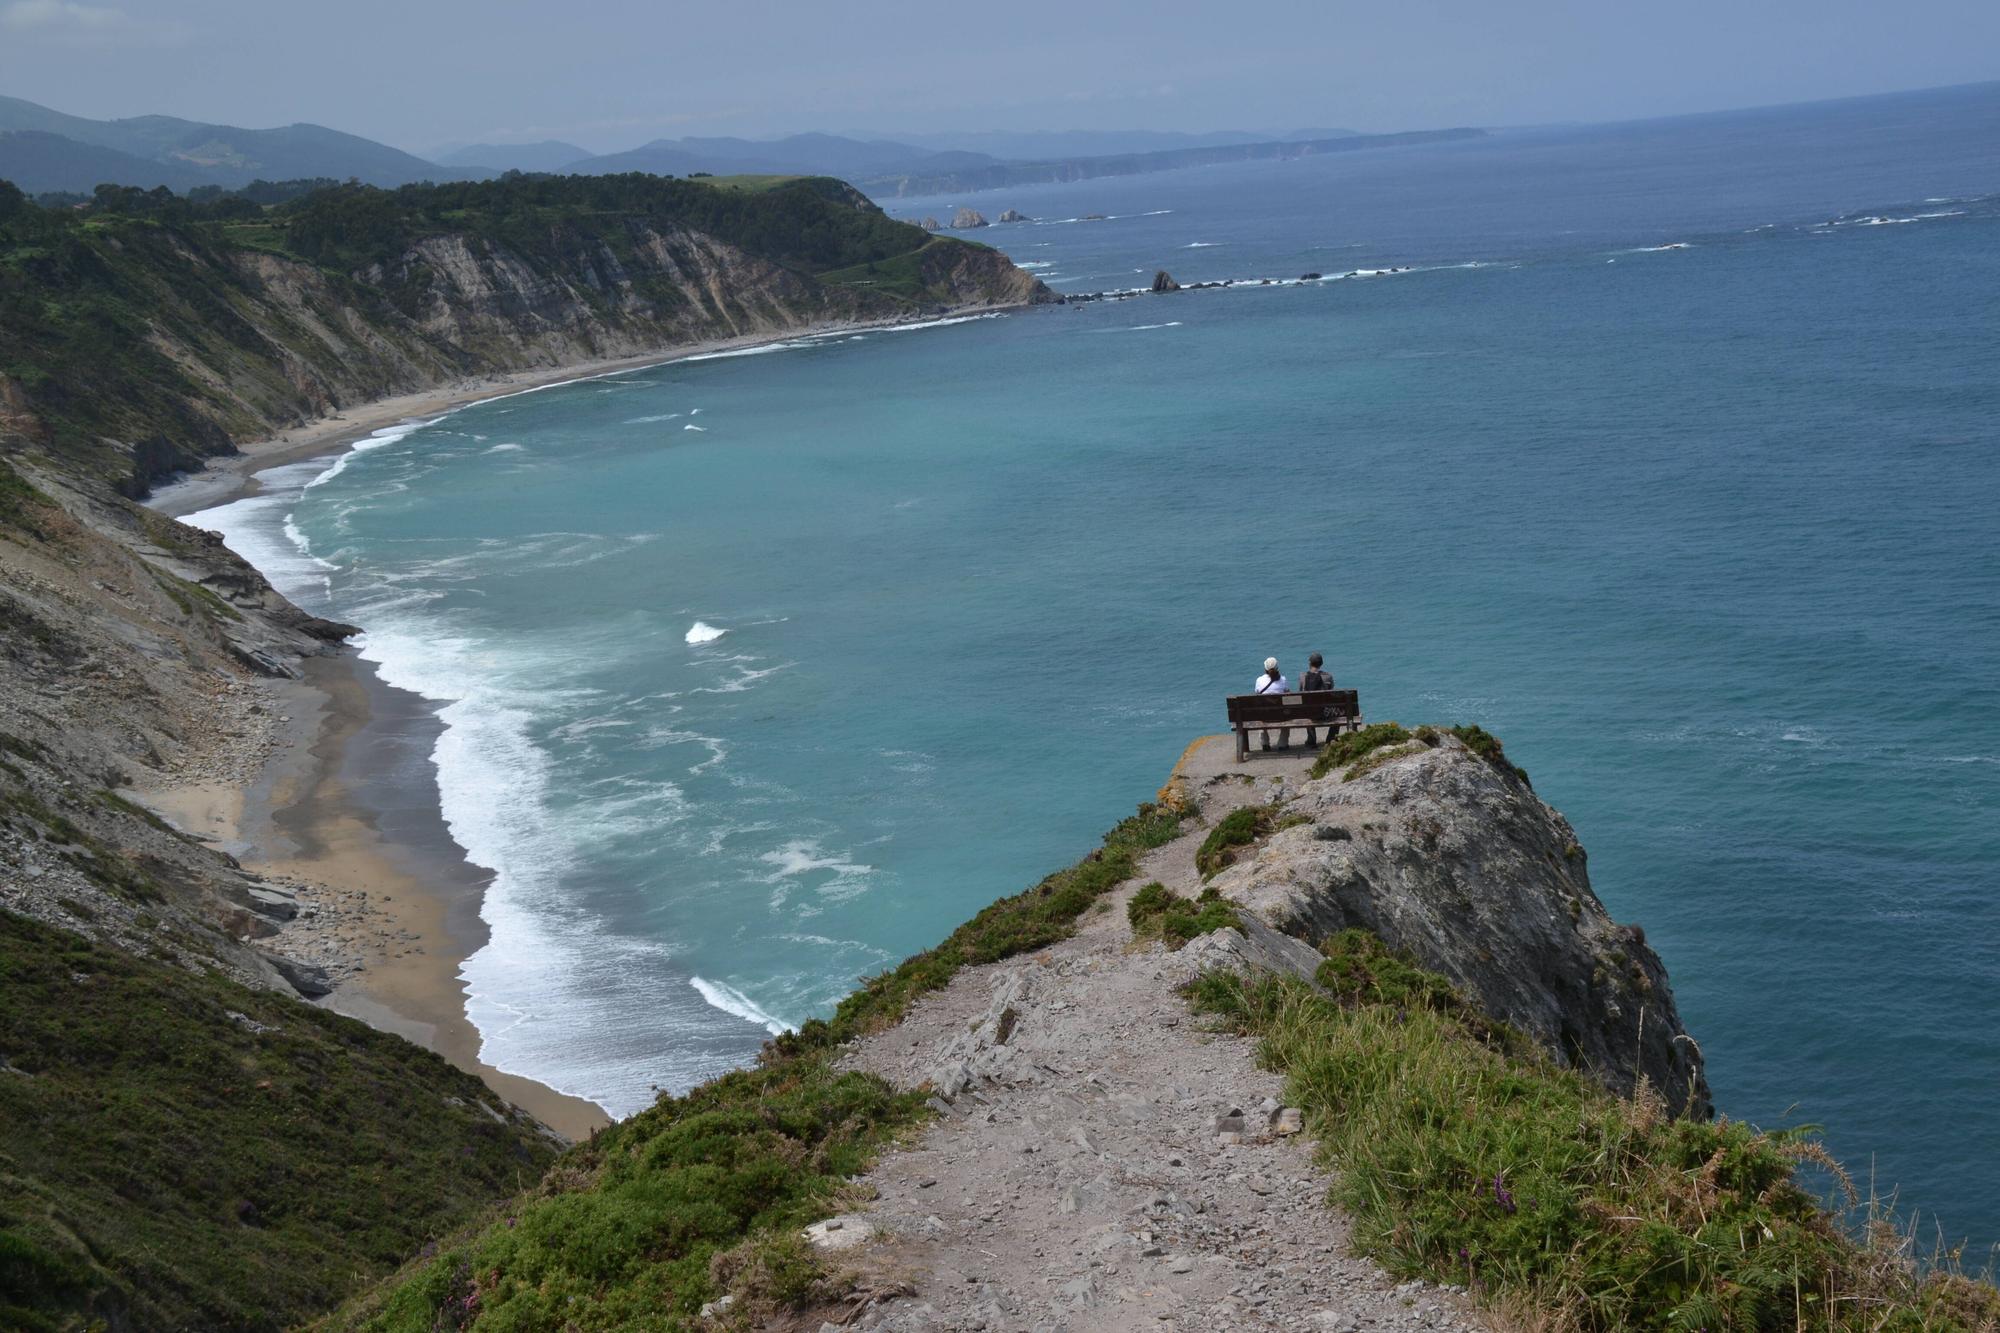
x=1163 y=281
x=1014 y=215
x=967 y=218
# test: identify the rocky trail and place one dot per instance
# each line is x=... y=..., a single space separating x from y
x=1102 y=1160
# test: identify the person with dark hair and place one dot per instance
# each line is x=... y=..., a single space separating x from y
x=1316 y=679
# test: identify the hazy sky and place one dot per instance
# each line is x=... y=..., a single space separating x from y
x=612 y=73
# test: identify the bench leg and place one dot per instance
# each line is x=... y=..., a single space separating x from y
x=1242 y=744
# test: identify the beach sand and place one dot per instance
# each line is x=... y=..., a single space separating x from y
x=346 y=815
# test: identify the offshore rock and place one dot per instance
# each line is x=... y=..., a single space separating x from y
x=1163 y=281
x=1457 y=861
x=929 y=224
x=1014 y=215
x=967 y=218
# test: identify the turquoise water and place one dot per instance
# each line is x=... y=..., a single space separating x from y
x=1671 y=458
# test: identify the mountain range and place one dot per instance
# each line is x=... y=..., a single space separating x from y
x=46 y=151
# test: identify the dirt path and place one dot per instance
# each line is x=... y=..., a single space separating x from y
x=1077 y=1180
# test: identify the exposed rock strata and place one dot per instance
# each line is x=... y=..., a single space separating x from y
x=1456 y=860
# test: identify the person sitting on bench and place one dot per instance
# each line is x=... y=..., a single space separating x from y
x=1273 y=682
x=1315 y=679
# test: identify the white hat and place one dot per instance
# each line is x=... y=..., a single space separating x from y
x=1270 y=664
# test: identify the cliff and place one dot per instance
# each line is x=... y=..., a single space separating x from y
x=1453 y=859
x=148 y=334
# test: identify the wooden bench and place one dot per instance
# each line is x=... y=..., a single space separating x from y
x=1336 y=710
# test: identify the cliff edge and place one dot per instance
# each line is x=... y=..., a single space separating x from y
x=1453 y=859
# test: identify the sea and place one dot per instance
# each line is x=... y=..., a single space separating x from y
x=1667 y=451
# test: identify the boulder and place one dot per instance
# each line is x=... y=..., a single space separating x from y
x=305 y=978
x=966 y=219
x=929 y=224
x=1014 y=215
x=1163 y=281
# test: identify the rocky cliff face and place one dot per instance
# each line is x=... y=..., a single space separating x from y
x=130 y=653
x=1456 y=860
x=239 y=343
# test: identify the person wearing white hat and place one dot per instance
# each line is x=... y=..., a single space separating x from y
x=1273 y=682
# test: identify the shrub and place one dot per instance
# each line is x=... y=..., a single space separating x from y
x=1487 y=746
x=1344 y=750
x=1157 y=911
x=1237 y=829
x=1541 y=1191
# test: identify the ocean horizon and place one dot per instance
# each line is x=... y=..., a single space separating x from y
x=1662 y=450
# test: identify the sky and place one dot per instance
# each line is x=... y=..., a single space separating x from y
x=611 y=74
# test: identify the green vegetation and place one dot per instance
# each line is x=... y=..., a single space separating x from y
x=1466 y=1162
x=705 y=1194
x=182 y=1152
x=754 y=183
x=1157 y=912
x=1042 y=915
x=1234 y=831
x=639 y=1227
x=22 y=507
x=1344 y=750
x=1487 y=746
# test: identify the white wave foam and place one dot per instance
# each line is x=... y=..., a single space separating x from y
x=760 y=350
x=660 y=737
x=803 y=856
x=1201 y=245
x=745 y=678
x=1884 y=221
x=647 y=421
x=507 y=449
x=1141 y=328
x=703 y=632
x=940 y=323
x=1658 y=249
x=732 y=1001
x=1034 y=263
x=388 y=435
x=693 y=427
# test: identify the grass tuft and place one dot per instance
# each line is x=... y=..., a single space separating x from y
x=1157 y=912
x=1236 y=830
x=1344 y=750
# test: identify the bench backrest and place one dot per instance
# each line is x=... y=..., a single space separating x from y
x=1296 y=706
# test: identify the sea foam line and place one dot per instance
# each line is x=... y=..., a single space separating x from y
x=732 y=1001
